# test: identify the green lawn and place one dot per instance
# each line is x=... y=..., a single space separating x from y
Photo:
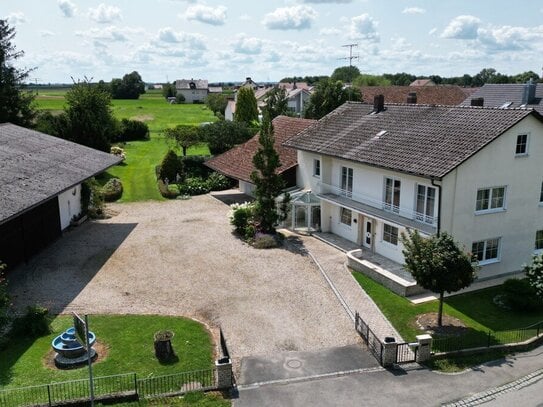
x=190 y=399
x=129 y=342
x=138 y=172
x=476 y=309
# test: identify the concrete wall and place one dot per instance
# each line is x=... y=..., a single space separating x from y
x=497 y=165
x=69 y=205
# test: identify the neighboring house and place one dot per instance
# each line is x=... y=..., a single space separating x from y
x=476 y=173
x=230 y=110
x=249 y=83
x=237 y=163
x=215 y=89
x=40 y=188
x=432 y=95
x=422 y=82
x=295 y=85
x=508 y=95
x=297 y=98
x=194 y=90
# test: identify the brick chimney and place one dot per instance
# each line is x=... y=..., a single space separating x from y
x=478 y=102
x=378 y=103
x=412 y=97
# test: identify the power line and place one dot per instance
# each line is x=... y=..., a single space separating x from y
x=351 y=56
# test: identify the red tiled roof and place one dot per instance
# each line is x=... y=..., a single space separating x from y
x=237 y=162
x=449 y=95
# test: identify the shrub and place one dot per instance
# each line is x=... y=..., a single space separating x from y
x=520 y=295
x=249 y=232
x=194 y=186
x=218 y=182
x=193 y=166
x=241 y=217
x=36 y=322
x=165 y=191
x=264 y=241
x=534 y=274
x=179 y=98
x=170 y=167
x=112 y=190
x=133 y=130
x=92 y=199
x=118 y=151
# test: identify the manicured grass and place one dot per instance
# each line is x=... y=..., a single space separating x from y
x=138 y=172
x=476 y=309
x=190 y=399
x=460 y=363
x=129 y=342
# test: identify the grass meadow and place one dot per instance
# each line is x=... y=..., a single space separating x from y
x=138 y=172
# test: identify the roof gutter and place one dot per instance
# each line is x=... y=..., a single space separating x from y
x=438 y=205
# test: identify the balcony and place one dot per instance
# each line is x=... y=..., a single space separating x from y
x=377 y=208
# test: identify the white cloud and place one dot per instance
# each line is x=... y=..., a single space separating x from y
x=290 y=18
x=207 y=15
x=245 y=17
x=432 y=31
x=190 y=40
x=16 y=17
x=364 y=27
x=413 y=10
x=462 y=27
x=111 y=33
x=46 y=33
x=67 y=8
x=330 y=31
x=105 y=14
x=507 y=38
x=247 y=45
x=328 y=1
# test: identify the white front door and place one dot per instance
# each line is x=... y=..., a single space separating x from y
x=368 y=233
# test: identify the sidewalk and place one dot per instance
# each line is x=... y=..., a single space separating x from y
x=331 y=262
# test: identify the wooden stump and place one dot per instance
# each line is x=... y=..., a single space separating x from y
x=163 y=345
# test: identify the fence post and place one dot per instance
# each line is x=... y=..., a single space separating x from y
x=49 y=395
x=224 y=374
x=136 y=384
x=389 y=354
x=424 y=349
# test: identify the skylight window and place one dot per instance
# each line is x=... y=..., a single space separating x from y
x=378 y=135
x=506 y=105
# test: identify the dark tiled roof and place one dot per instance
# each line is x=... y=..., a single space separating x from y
x=35 y=167
x=424 y=140
x=185 y=83
x=450 y=95
x=237 y=163
x=495 y=95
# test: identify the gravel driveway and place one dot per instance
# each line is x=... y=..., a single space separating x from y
x=180 y=258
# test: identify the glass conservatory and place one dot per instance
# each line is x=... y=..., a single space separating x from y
x=304 y=214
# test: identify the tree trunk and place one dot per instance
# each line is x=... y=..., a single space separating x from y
x=440 y=312
x=184 y=151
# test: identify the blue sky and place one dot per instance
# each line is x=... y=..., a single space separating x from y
x=267 y=40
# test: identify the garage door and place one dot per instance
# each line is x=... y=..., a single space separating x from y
x=23 y=237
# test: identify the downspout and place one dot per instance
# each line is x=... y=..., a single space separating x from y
x=438 y=205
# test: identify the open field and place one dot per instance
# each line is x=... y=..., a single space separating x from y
x=138 y=172
x=125 y=344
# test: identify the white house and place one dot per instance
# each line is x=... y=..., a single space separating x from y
x=474 y=172
x=194 y=90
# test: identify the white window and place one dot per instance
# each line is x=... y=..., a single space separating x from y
x=486 y=251
x=539 y=240
x=541 y=194
x=316 y=168
x=425 y=206
x=390 y=234
x=346 y=181
x=490 y=199
x=392 y=194
x=345 y=216
x=522 y=144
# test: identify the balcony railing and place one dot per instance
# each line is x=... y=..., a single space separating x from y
x=403 y=211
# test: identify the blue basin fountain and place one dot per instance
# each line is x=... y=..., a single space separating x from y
x=69 y=351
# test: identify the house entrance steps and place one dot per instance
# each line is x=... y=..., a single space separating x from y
x=330 y=258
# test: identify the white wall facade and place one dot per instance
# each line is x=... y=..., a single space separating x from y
x=192 y=95
x=229 y=111
x=69 y=205
x=497 y=165
x=247 y=187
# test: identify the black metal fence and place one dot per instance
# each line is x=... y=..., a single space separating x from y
x=370 y=339
x=406 y=352
x=481 y=339
x=109 y=387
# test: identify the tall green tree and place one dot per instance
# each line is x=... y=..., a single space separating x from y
x=370 y=80
x=15 y=103
x=345 y=74
x=329 y=95
x=131 y=86
x=184 y=136
x=216 y=103
x=277 y=102
x=221 y=136
x=437 y=264
x=89 y=116
x=268 y=184
x=246 y=107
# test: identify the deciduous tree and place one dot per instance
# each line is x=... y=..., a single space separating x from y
x=345 y=74
x=223 y=135
x=216 y=103
x=328 y=96
x=437 y=264
x=15 y=103
x=184 y=136
x=277 y=102
x=131 y=86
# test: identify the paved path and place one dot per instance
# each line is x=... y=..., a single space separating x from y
x=331 y=261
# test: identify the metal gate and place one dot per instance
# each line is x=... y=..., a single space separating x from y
x=406 y=352
x=370 y=339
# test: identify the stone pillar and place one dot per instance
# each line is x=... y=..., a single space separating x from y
x=224 y=374
x=390 y=350
x=425 y=348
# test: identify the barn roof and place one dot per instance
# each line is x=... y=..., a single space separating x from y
x=35 y=167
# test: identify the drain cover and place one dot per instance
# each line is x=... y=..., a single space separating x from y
x=294 y=364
